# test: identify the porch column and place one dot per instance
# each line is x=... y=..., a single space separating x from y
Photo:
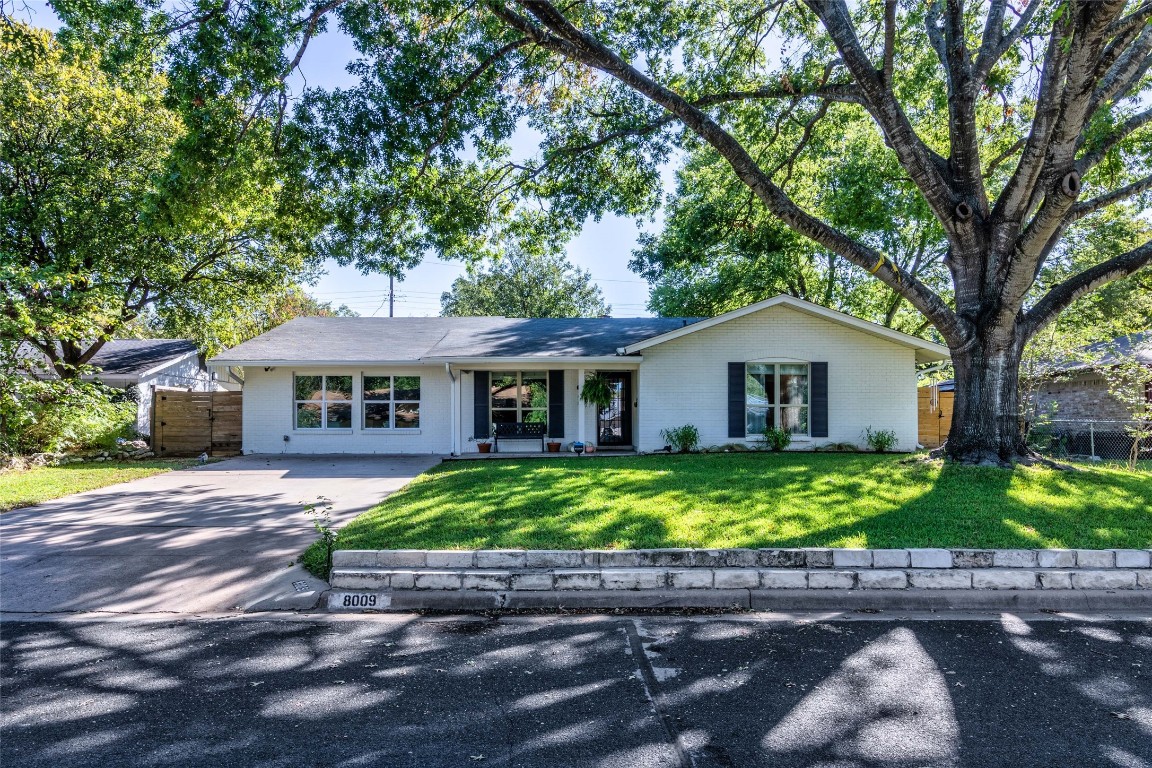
x=580 y=415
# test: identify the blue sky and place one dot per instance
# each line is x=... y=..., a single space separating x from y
x=603 y=248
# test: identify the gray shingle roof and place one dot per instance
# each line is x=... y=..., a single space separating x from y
x=125 y=357
x=367 y=339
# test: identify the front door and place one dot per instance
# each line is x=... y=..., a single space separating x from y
x=614 y=423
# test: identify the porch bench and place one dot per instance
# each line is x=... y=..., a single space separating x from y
x=520 y=431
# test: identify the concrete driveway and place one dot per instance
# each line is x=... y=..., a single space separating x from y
x=213 y=538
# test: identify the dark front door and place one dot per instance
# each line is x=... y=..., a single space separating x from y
x=614 y=423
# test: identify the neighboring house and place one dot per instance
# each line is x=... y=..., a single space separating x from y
x=1079 y=391
x=143 y=366
x=435 y=385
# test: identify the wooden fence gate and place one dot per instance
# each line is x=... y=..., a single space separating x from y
x=934 y=416
x=192 y=423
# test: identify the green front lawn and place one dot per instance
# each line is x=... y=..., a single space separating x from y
x=756 y=500
x=32 y=486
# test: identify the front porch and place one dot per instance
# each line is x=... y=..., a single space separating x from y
x=506 y=455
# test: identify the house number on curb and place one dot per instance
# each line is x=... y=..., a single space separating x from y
x=353 y=601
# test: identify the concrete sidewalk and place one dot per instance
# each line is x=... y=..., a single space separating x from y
x=212 y=538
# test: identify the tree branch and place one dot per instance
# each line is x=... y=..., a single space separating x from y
x=1096 y=152
x=1080 y=210
x=1061 y=296
x=559 y=35
x=992 y=52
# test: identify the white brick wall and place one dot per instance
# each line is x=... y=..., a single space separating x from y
x=269 y=408
x=871 y=381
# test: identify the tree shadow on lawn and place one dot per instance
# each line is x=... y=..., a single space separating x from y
x=757 y=501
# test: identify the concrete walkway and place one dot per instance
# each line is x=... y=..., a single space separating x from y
x=213 y=538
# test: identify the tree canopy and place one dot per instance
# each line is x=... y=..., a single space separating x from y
x=522 y=284
x=110 y=211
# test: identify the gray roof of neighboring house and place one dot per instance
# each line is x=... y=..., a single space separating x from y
x=367 y=339
x=127 y=357
x=1135 y=345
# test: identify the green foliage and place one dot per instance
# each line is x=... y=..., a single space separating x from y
x=684 y=439
x=58 y=416
x=320 y=512
x=777 y=439
x=596 y=391
x=110 y=208
x=880 y=440
x=523 y=284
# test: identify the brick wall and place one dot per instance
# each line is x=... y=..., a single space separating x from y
x=1083 y=397
x=871 y=381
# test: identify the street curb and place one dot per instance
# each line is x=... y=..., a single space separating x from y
x=1078 y=601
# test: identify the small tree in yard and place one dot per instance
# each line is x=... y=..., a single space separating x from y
x=1016 y=124
x=1130 y=383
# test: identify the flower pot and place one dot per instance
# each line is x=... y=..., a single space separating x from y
x=484 y=447
x=553 y=447
x=590 y=448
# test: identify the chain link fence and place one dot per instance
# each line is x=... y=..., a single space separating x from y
x=1103 y=439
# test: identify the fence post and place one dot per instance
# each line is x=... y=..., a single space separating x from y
x=1092 y=438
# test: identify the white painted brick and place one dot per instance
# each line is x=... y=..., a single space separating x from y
x=639 y=578
x=532 y=581
x=1095 y=558
x=852 y=558
x=501 y=558
x=1110 y=579
x=930 y=558
x=890 y=558
x=1014 y=558
x=1056 y=579
x=451 y=558
x=941 y=579
x=831 y=579
x=577 y=579
x=403 y=579
x=619 y=558
x=487 y=580
x=690 y=578
x=438 y=580
x=1056 y=558
x=359 y=579
x=1133 y=558
x=1004 y=579
x=783 y=578
x=736 y=578
x=685 y=379
x=1144 y=579
x=267 y=415
x=882 y=579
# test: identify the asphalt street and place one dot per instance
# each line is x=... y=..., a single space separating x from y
x=622 y=691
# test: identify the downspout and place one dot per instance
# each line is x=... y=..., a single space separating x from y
x=455 y=425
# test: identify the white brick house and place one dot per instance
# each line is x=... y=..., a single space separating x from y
x=435 y=385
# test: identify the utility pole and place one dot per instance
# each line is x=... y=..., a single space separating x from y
x=391 y=294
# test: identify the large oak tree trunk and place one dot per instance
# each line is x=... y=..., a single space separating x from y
x=986 y=419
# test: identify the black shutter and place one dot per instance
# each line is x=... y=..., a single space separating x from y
x=556 y=404
x=481 y=394
x=737 y=427
x=819 y=415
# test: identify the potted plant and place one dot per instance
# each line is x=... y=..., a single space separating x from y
x=596 y=391
x=553 y=445
x=484 y=444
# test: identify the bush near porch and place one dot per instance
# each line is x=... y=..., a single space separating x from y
x=755 y=500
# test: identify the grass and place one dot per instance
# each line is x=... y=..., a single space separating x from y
x=756 y=500
x=32 y=486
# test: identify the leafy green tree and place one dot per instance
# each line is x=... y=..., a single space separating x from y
x=108 y=213
x=523 y=284
x=1014 y=125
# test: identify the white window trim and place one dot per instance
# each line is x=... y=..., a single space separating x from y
x=519 y=409
x=323 y=429
x=392 y=402
x=799 y=437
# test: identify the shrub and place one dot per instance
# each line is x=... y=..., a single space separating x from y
x=54 y=416
x=776 y=438
x=684 y=439
x=880 y=440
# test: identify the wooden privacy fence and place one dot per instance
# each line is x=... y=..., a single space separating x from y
x=934 y=414
x=192 y=423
